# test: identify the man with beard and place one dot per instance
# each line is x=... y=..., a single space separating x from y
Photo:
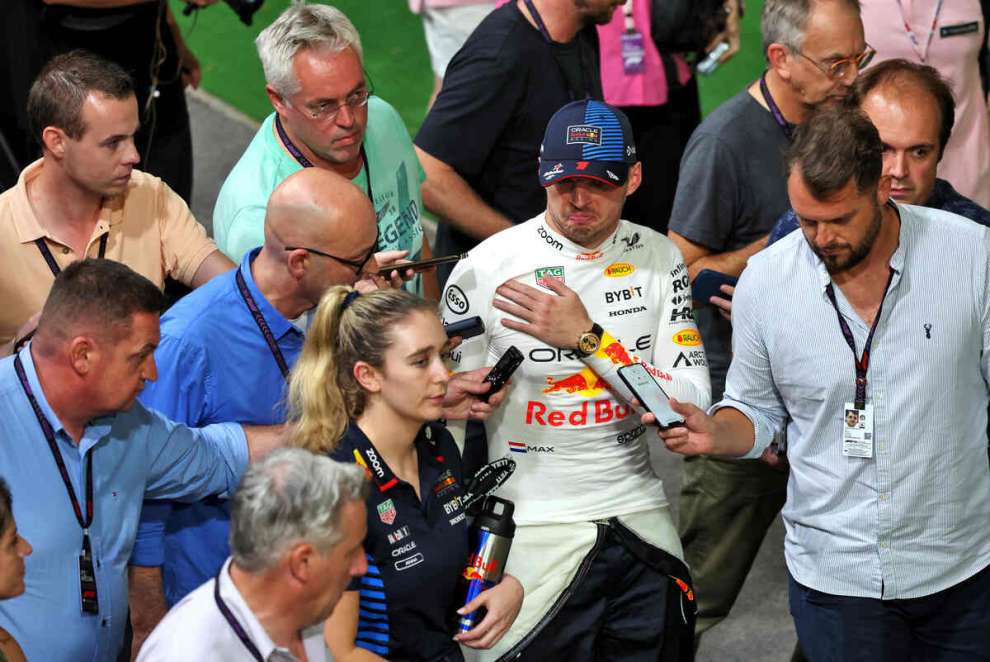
x=730 y=193
x=480 y=141
x=887 y=544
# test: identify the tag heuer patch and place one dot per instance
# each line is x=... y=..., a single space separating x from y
x=386 y=511
x=549 y=272
x=584 y=134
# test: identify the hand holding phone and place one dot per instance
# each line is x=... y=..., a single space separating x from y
x=650 y=394
x=422 y=265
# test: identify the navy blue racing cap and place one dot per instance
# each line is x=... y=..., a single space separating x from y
x=587 y=139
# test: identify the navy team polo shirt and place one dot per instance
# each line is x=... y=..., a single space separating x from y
x=416 y=549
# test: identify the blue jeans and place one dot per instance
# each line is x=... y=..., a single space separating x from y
x=951 y=625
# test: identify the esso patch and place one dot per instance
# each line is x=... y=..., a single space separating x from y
x=687 y=338
x=619 y=269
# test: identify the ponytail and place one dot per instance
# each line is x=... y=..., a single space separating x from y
x=346 y=328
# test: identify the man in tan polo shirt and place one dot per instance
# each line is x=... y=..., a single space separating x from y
x=84 y=198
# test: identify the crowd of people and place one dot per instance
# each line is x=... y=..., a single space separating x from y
x=281 y=464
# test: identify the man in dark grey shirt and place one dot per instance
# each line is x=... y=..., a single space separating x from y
x=731 y=191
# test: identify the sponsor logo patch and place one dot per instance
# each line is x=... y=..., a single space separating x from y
x=586 y=257
x=554 y=171
x=398 y=534
x=456 y=300
x=549 y=238
x=618 y=270
x=584 y=134
x=386 y=511
x=687 y=338
x=444 y=482
x=542 y=275
x=406 y=563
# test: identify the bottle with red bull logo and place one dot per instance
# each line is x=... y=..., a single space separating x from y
x=491 y=537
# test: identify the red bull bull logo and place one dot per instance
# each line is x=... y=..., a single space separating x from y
x=585 y=383
x=616 y=353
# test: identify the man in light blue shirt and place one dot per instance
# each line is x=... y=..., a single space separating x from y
x=887 y=512
x=80 y=453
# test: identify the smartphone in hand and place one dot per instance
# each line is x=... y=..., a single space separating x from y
x=650 y=394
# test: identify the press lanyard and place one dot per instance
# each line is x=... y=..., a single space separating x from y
x=627 y=10
x=546 y=37
x=87 y=579
x=50 y=259
x=234 y=624
x=915 y=44
x=778 y=116
x=306 y=163
x=862 y=364
x=259 y=319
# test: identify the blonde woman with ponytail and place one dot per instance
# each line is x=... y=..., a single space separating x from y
x=369 y=382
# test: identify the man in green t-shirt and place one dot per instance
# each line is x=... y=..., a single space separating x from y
x=325 y=117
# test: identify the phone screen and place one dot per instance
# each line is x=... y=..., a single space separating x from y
x=649 y=393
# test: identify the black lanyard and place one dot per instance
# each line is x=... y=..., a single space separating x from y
x=90 y=603
x=542 y=27
x=778 y=116
x=50 y=259
x=234 y=624
x=862 y=364
x=306 y=163
x=259 y=319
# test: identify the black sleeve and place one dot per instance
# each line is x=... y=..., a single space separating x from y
x=481 y=87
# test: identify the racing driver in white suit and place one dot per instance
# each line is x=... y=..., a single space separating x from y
x=580 y=293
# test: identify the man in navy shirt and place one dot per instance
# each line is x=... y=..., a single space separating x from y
x=913 y=109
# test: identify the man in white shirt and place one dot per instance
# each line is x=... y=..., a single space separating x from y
x=283 y=579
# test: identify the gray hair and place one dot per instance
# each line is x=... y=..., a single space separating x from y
x=303 y=26
x=291 y=496
x=784 y=21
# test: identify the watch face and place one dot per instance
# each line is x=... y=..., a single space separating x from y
x=589 y=343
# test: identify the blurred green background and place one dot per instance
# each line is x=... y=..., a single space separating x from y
x=395 y=55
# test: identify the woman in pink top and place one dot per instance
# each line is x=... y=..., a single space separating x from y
x=659 y=95
x=947 y=35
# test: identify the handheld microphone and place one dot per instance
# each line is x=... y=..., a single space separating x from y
x=486 y=480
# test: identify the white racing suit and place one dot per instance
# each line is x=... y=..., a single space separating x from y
x=581 y=453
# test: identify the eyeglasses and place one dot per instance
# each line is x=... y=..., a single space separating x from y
x=354 y=264
x=840 y=68
x=328 y=110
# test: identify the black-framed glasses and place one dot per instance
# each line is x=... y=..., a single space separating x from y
x=840 y=68
x=354 y=264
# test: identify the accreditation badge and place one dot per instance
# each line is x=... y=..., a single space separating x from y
x=857 y=431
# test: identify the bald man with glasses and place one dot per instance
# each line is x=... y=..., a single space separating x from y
x=731 y=191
